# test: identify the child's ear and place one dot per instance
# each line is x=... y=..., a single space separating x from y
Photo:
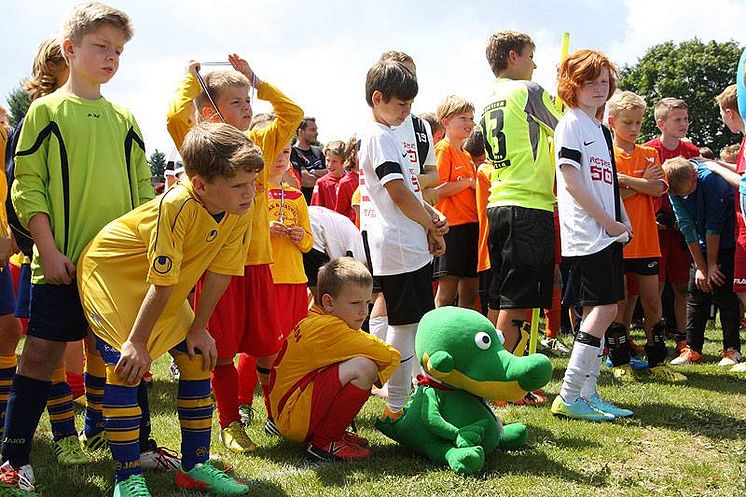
x=206 y=113
x=67 y=47
x=198 y=183
x=612 y=122
x=376 y=97
x=327 y=302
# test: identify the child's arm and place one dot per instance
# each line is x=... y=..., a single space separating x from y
x=213 y=287
x=724 y=171
x=586 y=200
x=445 y=166
x=301 y=235
x=417 y=212
x=57 y=268
x=179 y=117
x=688 y=228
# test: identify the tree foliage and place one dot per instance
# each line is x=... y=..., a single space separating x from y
x=694 y=71
x=18 y=102
x=157 y=163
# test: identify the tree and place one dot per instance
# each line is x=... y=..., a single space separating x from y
x=18 y=102
x=694 y=71
x=157 y=163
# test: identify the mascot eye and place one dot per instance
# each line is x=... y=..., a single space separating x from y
x=483 y=340
x=501 y=337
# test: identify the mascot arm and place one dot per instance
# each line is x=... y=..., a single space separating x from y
x=433 y=419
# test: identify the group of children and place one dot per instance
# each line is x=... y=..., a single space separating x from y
x=217 y=270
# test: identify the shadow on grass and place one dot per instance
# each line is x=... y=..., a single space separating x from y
x=695 y=420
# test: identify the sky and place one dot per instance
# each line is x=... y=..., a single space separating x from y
x=318 y=52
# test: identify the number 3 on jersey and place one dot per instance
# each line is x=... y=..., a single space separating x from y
x=494 y=139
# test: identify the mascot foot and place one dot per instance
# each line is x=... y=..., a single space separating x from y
x=466 y=460
x=514 y=436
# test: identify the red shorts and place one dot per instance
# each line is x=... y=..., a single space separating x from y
x=326 y=389
x=293 y=299
x=246 y=318
x=675 y=257
x=739 y=261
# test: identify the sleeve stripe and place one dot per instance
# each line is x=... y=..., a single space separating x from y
x=568 y=153
x=388 y=168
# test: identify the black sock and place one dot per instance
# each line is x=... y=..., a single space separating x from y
x=26 y=402
x=658 y=349
x=616 y=340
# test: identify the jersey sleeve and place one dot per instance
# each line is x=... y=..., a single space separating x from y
x=430 y=160
x=444 y=162
x=179 y=117
x=165 y=250
x=568 y=144
x=304 y=221
x=277 y=135
x=231 y=258
x=542 y=108
x=385 y=158
x=685 y=219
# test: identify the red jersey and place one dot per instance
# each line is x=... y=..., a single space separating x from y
x=325 y=191
x=345 y=189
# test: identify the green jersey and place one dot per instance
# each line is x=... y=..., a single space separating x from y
x=517 y=126
x=81 y=162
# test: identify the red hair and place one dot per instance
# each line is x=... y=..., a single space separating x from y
x=580 y=67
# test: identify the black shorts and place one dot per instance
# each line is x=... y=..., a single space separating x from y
x=521 y=246
x=595 y=279
x=408 y=295
x=366 y=248
x=312 y=262
x=460 y=259
x=56 y=313
x=644 y=266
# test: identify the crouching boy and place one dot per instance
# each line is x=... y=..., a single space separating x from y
x=327 y=366
x=200 y=225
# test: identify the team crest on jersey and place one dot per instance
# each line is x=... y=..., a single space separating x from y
x=162 y=264
x=211 y=235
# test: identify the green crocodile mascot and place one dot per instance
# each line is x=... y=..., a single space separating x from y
x=448 y=419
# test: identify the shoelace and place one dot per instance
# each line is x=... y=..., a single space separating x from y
x=136 y=486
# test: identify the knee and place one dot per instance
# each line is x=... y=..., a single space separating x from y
x=364 y=371
x=39 y=357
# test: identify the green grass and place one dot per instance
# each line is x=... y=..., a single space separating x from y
x=683 y=440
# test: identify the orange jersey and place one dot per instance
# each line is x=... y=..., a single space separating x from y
x=454 y=164
x=288 y=206
x=484 y=181
x=271 y=140
x=639 y=207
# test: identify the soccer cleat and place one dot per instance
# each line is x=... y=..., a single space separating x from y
x=624 y=373
x=580 y=409
x=134 y=486
x=687 y=356
x=637 y=362
x=234 y=437
x=247 y=414
x=602 y=405
x=173 y=370
x=17 y=482
x=69 y=451
x=389 y=415
x=270 y=428
x=156 y=458
x=96 y=442
x=339 y=450
x=352 y=438
x=680 y=346
x=555 y=346
x=731 y=357
x=664 y=372
x=205 y=477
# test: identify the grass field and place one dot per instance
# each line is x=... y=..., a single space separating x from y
x=683 y=440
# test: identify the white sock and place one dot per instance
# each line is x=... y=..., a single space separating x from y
x=582 y=361
x=401 y=337
x=589 y=387
x=378 y=326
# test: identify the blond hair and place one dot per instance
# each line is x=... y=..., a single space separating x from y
x=500 y=45
x=49 y=63
x=666 y=105
x=351 y=150
x=217 y=81
x=89 y=16
x=453 y=105
x=678 y=171
x=730 y=153
x=728 y=99
x=263 y=120
x=336 y=274
x=625 y=100
x=336 y=147
x=212 y=150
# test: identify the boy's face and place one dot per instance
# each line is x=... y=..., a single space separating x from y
x=523 y=63
x=391 y=113
x=232 y=195
x=235 y=105
x=351 y=305
x=459 y=126
x=675 y=124
x=732 y=120
x=626 y=124
x=593 y=94
x=335 y=164
x=282 y=162
x=95 y=58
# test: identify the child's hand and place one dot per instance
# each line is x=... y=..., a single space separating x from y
x=430 y=195
x=296 y=234
x=616 y=228
x=276 y=228
x=134 y=362
x=57 y=268
x=435 y=243
x=654 y=173
x=702 y=281
x=200 y=339
x=715 y=275
x=240 y=65
x=193 y=67
x=440 y=222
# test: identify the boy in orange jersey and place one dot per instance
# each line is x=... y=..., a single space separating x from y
x=640 y=180
x=456 y=270
x=325 y=189
x=245 y=319
x=327 y=366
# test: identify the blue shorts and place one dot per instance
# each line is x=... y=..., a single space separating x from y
x=56 y=313
x=23 y=293
x=111 y=356
x=7 y=297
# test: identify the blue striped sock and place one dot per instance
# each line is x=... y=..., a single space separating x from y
x=122 y=423
x=60 y=409
x=195 y=417
x=7 y=371
x=94 y=396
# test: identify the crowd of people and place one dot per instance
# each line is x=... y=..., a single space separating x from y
x=262 y=262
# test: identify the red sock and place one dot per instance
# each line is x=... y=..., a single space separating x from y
x=76 y=383
x=246 y=379
x=265 y=394
x=224 y=382
x=341 y=413
x=554 y=315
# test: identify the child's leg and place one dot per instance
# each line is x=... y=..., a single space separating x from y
x=247 y=379
x=60 y=406
x=122 y=423
x=10 y=333
x=225 y=388
x=554 y=315
x=447 y=290
x=401 y=337
x=655 y=348
x=195 y=410
x=379 y=321
x=697 y=312
x=728 y=303
x=468 y=293
x=95 y=380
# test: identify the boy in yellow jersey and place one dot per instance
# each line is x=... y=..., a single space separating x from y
x=327 y=366
x=200 y=226
x=246 y=317
x=516 y=125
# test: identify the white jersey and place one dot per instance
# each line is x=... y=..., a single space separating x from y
x=334 y=234
x=409 y=139
x=580 y=143
x=397 y=244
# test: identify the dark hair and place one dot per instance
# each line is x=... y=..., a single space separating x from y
x=475 y=144
x=304 y=123
x=212 y=150
x=392 y=79
x=501 y=44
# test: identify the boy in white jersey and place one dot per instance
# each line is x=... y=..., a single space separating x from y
x=399 y=226
x=592 y=223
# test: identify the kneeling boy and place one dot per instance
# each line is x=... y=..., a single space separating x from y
x=198 y=226
x=327 y=366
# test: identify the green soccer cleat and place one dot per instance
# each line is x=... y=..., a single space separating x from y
x=69 y=451
x=624 y=373
x=664 y=372
x=207 y=478
x=602 y=405
x=234 y=438
x=134 y=486
x=580 y=409
x=96 y=442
